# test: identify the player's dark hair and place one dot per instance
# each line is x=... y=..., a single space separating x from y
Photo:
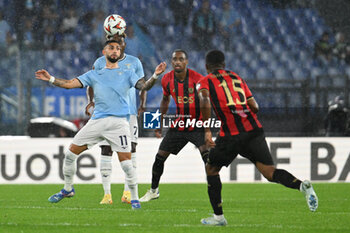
x=181 y=51
x=214 y=58
x=110 y=37
x=110 y=41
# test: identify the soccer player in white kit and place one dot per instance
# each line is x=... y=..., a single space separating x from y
x=110 y=117
x=128 y=62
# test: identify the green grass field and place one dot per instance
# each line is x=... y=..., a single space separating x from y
x=247 y=208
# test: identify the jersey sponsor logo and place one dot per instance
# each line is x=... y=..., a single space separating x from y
x=151 y=120
x=185 y=99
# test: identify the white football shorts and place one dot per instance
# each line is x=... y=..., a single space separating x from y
x=114 y=130
x=134 y=131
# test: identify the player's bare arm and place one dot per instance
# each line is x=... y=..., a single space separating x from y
x=146 y=85
x=205 y=106
x=90 y=97
x=164 y=106
x=143 y=99
x=253 y=105
x=91 y=103
x=63 y=83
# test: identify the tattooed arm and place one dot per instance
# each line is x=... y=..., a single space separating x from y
x=146 y=85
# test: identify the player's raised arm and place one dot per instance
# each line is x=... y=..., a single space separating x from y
x=146 y=85
x=68 y=84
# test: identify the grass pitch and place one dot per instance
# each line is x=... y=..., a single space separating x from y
x=247 y=207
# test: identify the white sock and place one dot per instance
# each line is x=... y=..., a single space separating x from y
x=133 y=160
x=69 y=168
x=106 y=171
x=130 y=178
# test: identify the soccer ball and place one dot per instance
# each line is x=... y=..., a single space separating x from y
x=114 y=24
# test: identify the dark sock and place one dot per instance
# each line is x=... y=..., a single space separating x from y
x=205 y=156
x=283 y=177
x=157 y=170
x=214 y=191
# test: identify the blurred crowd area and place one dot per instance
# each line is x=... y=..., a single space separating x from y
x=263 y=39
x=304 y=44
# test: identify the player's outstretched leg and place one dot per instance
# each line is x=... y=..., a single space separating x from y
x=310 y=195
x=69 y=167
x=283 y=177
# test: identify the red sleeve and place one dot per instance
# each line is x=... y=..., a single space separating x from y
x=165 y=85
x=202 y=84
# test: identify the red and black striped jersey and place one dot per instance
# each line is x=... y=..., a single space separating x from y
x=184 y=94
x=228 y=95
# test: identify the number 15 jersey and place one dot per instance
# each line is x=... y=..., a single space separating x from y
x=228 y=96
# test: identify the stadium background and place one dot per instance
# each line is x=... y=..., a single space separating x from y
x=273 y=49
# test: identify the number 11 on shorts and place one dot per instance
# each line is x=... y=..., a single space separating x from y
x=123 y=140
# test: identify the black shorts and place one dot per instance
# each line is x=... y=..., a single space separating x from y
x=251 y=145
x=175 y=140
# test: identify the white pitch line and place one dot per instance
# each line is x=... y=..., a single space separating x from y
x=157 y=210
x=260 y=226
x=100 y=209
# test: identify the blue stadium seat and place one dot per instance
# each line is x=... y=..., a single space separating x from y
x=316 y=72
x=282 y=73
x=267 y=57
x=248 y=56
x=274 y=64
x=303 y=56
x=246 y=73
x=264 y=73
x=333 y=71
x=339 y=80
x=347 y=71
x=300 y=74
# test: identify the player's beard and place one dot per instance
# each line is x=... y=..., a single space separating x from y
x=113 y=60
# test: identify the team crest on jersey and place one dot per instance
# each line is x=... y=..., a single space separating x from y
x=174 y=90
x=190 y=90
x=128 y=65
